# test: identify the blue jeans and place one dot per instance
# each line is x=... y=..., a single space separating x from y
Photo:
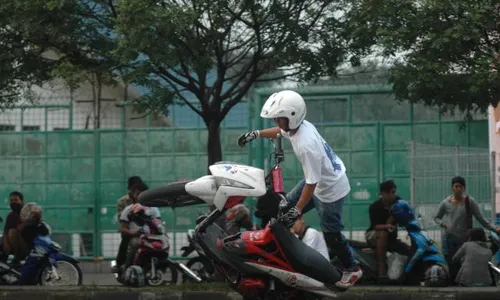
x=330 y=215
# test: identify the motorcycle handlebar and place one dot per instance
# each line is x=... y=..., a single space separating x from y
x=277 y=143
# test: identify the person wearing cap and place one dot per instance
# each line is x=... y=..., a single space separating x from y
x=454 y=216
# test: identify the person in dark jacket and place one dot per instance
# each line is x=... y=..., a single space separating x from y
x=383 y=234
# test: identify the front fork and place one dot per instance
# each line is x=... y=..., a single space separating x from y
x=154 y=261
x=54 y=274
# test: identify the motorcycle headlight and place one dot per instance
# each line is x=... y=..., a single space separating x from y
x=221 y=181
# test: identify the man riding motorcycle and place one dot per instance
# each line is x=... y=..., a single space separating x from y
x=31 y=216
x=129 y=228
x=325 y=185
x=141 y=220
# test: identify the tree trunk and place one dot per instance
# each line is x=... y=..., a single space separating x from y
x=214 y=149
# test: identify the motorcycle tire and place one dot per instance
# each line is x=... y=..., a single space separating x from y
x=206 y=276
x=76 y=267
x=164 y=267
x=172 y=195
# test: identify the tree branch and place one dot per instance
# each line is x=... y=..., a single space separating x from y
x=113 y=10
x=179 y=93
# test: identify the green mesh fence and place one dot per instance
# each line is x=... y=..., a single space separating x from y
x=53 y=154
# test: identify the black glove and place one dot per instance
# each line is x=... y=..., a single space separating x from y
x=288 y=219
x=247 y=137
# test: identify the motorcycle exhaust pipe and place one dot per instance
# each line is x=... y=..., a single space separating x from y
x=189 y=272
x=113 y=264
x=495 y=268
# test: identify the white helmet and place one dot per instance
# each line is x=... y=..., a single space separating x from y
x=285 y=104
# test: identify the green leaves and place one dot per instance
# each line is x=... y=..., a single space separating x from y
x=446 y=48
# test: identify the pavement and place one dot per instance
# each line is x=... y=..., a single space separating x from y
x=100 y=284
x=219 y=292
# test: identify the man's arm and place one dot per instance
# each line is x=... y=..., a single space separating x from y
x=479 y=216
x=120 y=206
x=269 y=133
x=125 y=230
x=311 y=164
x=252 y=135
x=378 y=223
x=439 y=217
x=124 y=220
x=9 y=224
x=306 y=196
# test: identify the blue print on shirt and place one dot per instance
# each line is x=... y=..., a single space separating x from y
x=332 y=156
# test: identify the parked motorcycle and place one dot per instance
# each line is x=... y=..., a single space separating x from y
x=153 y=258
x=48 y=270
x=271 y=263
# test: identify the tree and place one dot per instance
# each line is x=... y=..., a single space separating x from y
x=72 y=40
x=21 y=65
x=215 y=51
x=445 y=52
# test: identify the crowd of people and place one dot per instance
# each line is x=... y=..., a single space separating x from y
x=464 y=247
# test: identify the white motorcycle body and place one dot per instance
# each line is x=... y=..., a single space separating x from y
x=228 y=180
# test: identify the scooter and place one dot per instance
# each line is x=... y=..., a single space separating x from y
x=495 y=259
x=425 y=258
x=271 y=263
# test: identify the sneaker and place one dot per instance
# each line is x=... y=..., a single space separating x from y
x=349 y=279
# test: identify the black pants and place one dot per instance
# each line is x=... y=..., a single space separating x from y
x=122 y=250
x=451 y=244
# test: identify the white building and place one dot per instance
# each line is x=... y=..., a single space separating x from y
x=55 y=102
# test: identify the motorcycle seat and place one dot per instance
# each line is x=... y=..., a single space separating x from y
x=304 y=259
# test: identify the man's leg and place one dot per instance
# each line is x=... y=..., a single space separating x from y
x=132 y=251
x=452 y=245
x=19 y=247
x=332 y=226
x=121 y=256
x=382 y=239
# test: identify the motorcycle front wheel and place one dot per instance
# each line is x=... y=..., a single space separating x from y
x=64 y=273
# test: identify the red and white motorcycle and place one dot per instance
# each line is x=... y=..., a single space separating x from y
x=271 y=263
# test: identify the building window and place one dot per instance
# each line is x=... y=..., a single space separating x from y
x=5 y=127
x=31 y=128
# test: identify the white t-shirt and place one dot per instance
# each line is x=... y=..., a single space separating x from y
x=316 y=240
x=153 y=211
x=320 y=164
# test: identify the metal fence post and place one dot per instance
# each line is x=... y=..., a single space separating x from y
x=97 y=200
x=457 y=168
x=412 y=174
x=493 y=187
